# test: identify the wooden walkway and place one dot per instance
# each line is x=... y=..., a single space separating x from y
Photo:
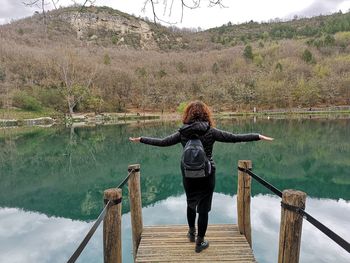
x=169 y=243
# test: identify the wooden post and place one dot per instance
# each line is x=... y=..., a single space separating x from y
x=243 y=200
x=112 y=230
x=291 y=226
x=135 y=206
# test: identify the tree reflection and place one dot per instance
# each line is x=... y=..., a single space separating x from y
x=63 y=171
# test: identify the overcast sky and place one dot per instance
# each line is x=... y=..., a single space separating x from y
x=236 y=11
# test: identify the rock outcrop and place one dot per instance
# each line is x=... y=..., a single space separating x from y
x=121 y=30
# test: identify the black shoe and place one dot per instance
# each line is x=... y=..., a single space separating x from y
x=191 y=234
x=201 y=244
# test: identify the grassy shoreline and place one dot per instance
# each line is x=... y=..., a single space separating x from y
x=267 y=113
x=18 y=117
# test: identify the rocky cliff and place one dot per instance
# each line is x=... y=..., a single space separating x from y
x=121 y=29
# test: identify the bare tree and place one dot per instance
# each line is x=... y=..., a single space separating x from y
x=77 y=77
x=42 y=4
x=168 y=6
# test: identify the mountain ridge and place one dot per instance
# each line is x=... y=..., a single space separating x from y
x=110 y=27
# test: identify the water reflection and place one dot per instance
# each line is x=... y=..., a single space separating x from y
x=33 y=237
x=52 y=183
x=62 y=173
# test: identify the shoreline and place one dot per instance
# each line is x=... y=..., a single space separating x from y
x=88 y=119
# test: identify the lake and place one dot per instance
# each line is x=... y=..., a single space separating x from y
x=52 y=183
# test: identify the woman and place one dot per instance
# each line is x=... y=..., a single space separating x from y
x=198 y=122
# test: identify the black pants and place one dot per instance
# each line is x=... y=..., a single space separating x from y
x=202 y=221
x=199 y=195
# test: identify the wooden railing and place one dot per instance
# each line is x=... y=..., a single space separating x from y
x=112 y=238
x=291 y=223
x=292 y=213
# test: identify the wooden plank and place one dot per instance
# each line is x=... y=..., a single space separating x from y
x=199 y=260
x=168 y=243
x=195 y=259
x=180 y=235
x=207 y=259
x=214 y=226
x=239 y=254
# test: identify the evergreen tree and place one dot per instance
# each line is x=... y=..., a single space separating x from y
x=307 y=56
x=248 y=52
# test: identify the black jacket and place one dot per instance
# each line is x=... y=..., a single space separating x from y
x=208 y=135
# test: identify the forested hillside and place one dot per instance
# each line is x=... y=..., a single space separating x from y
x=100 y=59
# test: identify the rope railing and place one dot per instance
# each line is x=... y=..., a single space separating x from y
x=108 y=203
x=98 y=221
x=324 y=229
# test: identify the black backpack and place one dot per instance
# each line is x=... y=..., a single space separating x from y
x=194 y=161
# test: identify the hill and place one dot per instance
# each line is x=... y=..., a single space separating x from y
x=299 y=28
x=90 y=26
x=100 y=59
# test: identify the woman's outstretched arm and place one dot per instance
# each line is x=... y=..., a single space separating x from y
x=224 y=136
x=167 y=141
x=265 y=138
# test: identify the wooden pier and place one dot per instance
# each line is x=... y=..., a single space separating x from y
x=227 y=242
x=169 y=243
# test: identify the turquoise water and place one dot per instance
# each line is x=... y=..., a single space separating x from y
x=52 y=182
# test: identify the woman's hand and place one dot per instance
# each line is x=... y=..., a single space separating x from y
x=265 y=138
x=135 y=139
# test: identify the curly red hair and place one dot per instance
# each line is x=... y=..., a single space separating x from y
x=197 y=111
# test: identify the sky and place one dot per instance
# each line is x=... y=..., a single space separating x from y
x=234 y=11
